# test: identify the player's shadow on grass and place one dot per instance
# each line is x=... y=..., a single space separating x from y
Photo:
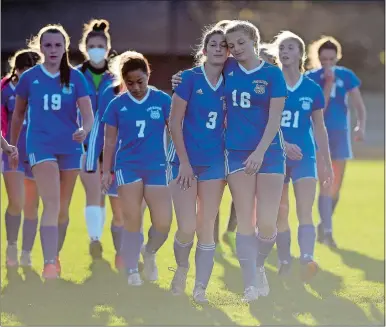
x=289 y=301
x=374 y=269
x=104 y=298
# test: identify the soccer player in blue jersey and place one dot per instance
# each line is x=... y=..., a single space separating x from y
x=137 y=120
x=339 y=84
x=95 y=46
x=255 y=93
x=303 y=108
x=53 y=91
x=196 y=157
x=19 y=184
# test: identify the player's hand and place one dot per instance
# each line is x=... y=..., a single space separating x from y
x=176 y=79
x=13 y=154
x=106 y=182
x=185 y=176
x=329 y=75
x=79 y=135
x=293 y=151
x=253 y=162
x=328 y=176
x=359 y=134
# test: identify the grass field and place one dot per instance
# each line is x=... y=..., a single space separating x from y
x=349 y=290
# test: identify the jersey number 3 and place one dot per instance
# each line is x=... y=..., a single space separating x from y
x=54 y=102
x=211 y=123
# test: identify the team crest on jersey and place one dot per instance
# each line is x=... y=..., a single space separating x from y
x=154 y=112
x=339 y=83
x=306 y=103
x=67 y=89
x=260 y=86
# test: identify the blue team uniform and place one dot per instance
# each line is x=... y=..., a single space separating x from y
x=141 y=137
x=203 y=126
x=248 y=95
x=95 y=93
x=96 y=140
x=337 y=115
x=8 y=96
x=296 y=124
x=52 y=116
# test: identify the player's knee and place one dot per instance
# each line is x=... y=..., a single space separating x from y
x=267 y=228
x=185 y=236
x=283 y=212
x=15 y=205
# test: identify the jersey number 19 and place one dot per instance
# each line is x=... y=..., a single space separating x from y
x=54 y=102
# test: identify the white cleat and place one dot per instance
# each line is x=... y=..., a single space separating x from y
x=134 y=280
x=199 y=295
x=179 y=281
x=250 y=294
x=262 y=282
x=150 y=270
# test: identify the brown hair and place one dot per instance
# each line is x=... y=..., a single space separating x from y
x=248 y=28
x=95 y=28
x=65 y=67
x=199 y=57
x=316 y=47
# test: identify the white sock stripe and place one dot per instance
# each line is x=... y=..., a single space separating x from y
x=206 y=247
x=183 y=245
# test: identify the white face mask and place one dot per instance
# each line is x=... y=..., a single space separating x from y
x=97 y=55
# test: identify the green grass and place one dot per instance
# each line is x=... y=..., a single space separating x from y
x=349 y=290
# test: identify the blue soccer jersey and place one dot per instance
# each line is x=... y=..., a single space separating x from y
x=96 y=92
x=203 y=126
x=296 y=124
x=95 y=145
x=52 y=112
x=248 y=95
x=8 y=96
x=336 y=115
x=141 y=129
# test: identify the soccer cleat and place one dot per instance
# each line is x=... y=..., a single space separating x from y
x=262 y=282
x=50 y=272
x=178 y=284
x=134 y=279
x=199 y=294
x=150 y=270
x=308 y=270
x=119 y=264
x=58 y=266
x=284 y=269
x=25 y=259
x=320 y=236
x=96 y=249
x=251 y=293
x=329 y=241
x=12 y=256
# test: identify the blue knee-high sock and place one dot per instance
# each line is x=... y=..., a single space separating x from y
x=264 y=247
x=156 y=240
x=29 y=233
x=131 y=249
x=182 y=252
x=62 y=232
x=12 y=226
x=204 y=263
x=49 y=239
x=246 y=251
x=116 y=233
x=283 y=244
x=325 y=212
x=306 y=239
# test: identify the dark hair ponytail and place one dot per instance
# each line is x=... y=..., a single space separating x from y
x=65 y=70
